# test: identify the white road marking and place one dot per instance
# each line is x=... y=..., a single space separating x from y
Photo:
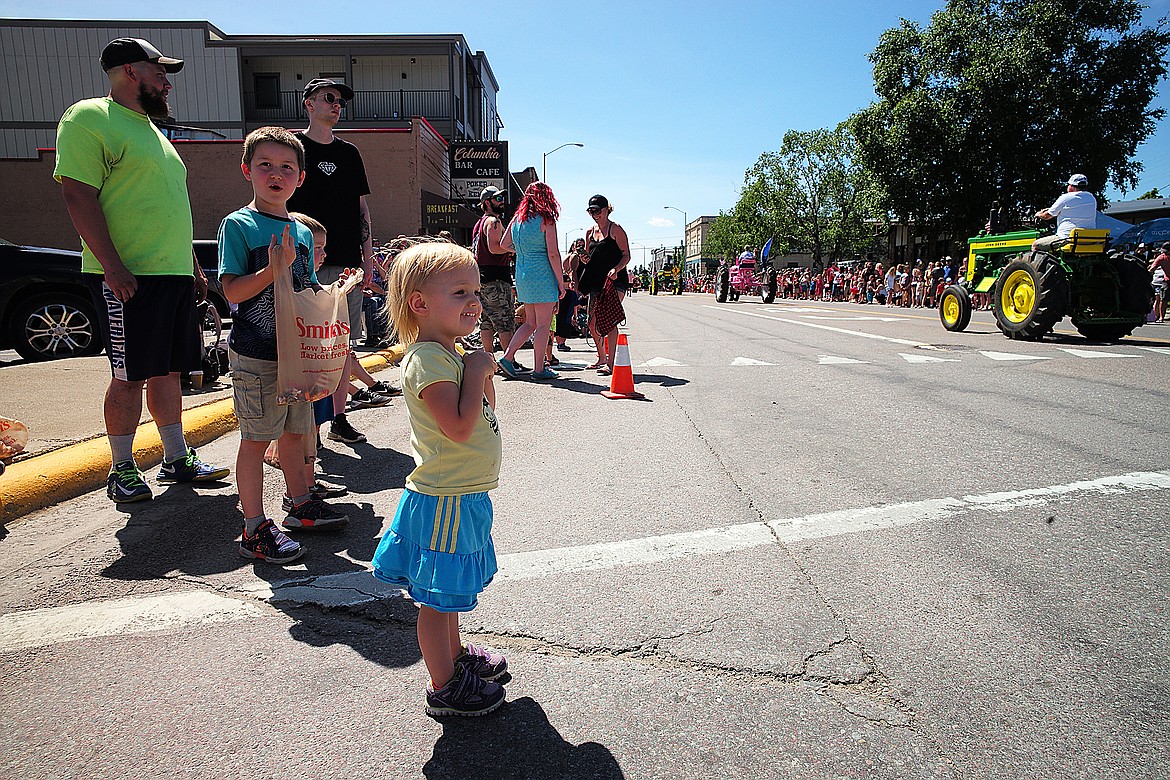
x=43 y=627
x=926 y=359
x=833 y=360
x=1162 y=350
x=1092 y=353
x=862 y=334
x=1011 y=356
x=855 y=319
x=659 y=361
x=799 y=310
x=746 y=361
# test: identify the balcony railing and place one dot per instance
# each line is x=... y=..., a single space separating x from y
x=367 y=105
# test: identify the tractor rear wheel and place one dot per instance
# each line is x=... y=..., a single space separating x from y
x=1135 y=295
x=722 y=282
x=954 y=308
x=768 y=287
x=1030 y=296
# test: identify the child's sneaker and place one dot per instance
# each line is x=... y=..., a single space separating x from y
x=483 y=662
x=190 y=469
x=311 y=515
x=270 y=544
x=125 y=484
x=465 y=694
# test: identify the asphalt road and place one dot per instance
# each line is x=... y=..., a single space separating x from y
x=833 y=541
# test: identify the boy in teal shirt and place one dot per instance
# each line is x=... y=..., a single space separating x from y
x=249 y=240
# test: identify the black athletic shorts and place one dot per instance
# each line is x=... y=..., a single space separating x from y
x=154 y=333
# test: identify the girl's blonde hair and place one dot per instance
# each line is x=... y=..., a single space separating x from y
x=414 y=267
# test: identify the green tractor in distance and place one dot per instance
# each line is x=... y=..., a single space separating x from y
x=1107 y=294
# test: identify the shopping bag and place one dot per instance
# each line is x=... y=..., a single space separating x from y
x=312 y=337
x=13 y=437
x=607 y=309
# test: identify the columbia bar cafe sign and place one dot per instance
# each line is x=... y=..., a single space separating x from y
x=475 y=165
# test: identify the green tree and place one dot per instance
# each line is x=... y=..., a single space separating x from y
x=1001 y=100
x=1151 y=195
x=816 y=194
x=747 y=224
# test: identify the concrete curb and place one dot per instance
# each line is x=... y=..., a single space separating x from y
x=71 y=471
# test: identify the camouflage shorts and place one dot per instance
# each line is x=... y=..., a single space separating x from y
x=499 y=307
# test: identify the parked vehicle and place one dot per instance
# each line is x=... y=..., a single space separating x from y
x=46 y=310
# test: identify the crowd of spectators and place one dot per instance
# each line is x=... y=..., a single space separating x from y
x=917 y=284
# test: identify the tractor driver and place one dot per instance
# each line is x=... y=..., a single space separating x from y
x=747 y=256
x=1076 y=208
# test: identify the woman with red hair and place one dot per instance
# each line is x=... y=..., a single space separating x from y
x=532 y=235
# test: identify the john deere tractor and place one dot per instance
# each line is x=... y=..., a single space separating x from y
x=1106 y=294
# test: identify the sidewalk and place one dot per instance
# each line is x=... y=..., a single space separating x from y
x=67 y=454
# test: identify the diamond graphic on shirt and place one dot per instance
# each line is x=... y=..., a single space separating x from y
x=327 y=167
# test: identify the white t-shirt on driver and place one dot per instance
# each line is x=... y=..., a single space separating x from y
x=1074 y=210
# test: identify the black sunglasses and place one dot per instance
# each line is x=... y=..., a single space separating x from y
x=330 y=98
x=593 y=209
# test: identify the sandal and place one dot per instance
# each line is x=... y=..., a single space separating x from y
x=596 y=364
x=605 y=370
x=273 y=462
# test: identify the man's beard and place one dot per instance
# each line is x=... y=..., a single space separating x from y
x=153 y=102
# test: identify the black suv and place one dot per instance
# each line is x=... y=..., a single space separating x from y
x=46 y=311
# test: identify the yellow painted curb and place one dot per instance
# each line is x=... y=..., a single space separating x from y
x=77 y=469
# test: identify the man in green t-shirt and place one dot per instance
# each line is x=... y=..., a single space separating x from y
x=125 y=188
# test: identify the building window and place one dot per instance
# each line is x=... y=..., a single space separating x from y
x=267 y=89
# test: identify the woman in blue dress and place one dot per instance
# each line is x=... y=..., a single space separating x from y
x=532 y=235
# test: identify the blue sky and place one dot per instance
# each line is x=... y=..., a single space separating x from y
x=673 y=101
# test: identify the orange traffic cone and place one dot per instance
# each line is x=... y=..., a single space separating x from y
x=622 y=382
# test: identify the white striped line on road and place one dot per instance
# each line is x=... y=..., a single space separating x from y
x=143 y=614
x=862 y=334
x=43 y=627
x=1093 y=353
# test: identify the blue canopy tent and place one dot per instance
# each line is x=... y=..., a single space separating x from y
x=1154 y=233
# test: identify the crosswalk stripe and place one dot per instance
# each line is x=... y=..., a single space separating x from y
x=144 y=614
x=1092 y=353
x=1011 y=356
x=926 y=359
x=834 y=360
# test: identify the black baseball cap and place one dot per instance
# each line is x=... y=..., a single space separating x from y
x=317 y=84
x=123 y=51
x=599 y=201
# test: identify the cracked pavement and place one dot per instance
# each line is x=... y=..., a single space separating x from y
x=1025 y=642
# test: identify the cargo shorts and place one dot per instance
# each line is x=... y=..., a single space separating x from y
x=499 y=307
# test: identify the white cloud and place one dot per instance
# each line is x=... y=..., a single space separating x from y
x=661 y=222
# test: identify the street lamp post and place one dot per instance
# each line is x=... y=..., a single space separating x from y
x=682 y=271
x=544 y=159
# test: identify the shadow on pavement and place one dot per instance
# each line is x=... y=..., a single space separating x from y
x=186 y=530
x=515 y=741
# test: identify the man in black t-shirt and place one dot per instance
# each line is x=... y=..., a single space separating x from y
x=334 y=193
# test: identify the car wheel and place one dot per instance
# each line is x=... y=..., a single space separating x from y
x=54 y=325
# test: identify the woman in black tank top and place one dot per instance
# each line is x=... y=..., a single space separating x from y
x=608 y=251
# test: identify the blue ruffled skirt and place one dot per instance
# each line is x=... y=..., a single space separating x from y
x=440 y=549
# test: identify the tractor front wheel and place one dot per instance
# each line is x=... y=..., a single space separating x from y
x=954 y=308
x=1030 y=296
